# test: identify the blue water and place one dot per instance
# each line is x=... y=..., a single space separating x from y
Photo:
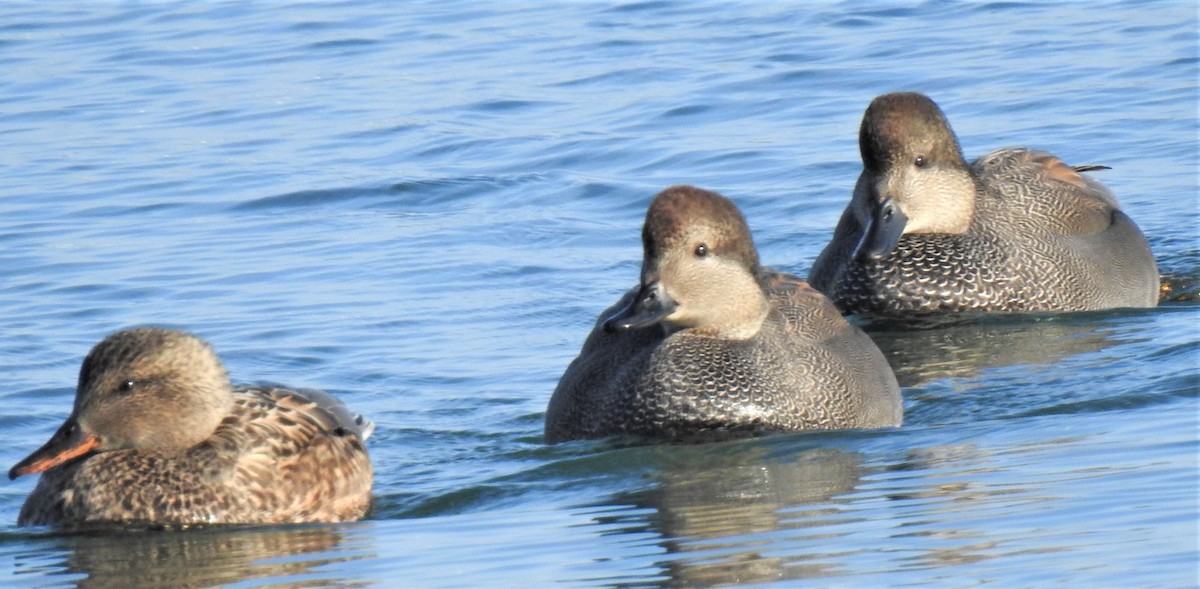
x=422 y=207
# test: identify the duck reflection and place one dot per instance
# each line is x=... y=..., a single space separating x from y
x=942 y=500
x=960 y=347
x=723 y=510
x=205 y=557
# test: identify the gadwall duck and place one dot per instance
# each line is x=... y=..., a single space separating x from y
x=159 y=436
x=712 y=344
x=1016 y=230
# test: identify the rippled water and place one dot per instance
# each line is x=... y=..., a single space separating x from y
x=422 y=208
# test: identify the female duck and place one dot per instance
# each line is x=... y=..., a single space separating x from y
x=159 y=436
x=1017 y=230
x=711 y=342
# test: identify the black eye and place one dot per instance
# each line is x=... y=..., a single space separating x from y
x=920 y=162
x=701 y=250
x=126 y=386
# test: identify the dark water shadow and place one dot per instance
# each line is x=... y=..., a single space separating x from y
x=410 y=195
x=207 y=557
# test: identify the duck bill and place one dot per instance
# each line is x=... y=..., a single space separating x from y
x=651 y=305
x=68 y=443
x=882 y=233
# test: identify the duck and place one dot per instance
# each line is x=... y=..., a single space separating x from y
x=159 y=436
x=1016 y=230
x=712 y=345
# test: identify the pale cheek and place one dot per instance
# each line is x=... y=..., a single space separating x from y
x=681 y=317
x=114 y=435
x=120 y=439
x=924 y=205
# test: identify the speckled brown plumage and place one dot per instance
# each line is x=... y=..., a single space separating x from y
x=798 y=365
x=267 y=455
x=1016 y=230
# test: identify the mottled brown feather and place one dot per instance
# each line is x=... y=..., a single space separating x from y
x=278 y=456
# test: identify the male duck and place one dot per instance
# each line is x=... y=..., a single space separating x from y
x=1016 y=230
x=712 y=343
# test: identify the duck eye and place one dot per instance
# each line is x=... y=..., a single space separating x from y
x=701 y=250
x=920 y=162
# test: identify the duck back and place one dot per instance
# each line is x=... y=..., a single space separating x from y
x=1073 y=248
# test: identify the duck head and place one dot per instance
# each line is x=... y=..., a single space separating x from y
x=699 y=268
x=145 y=388
x=914 y=178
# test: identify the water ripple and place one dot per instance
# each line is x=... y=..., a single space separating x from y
x=424 y=210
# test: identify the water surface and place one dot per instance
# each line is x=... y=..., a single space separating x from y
x=422 y=208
